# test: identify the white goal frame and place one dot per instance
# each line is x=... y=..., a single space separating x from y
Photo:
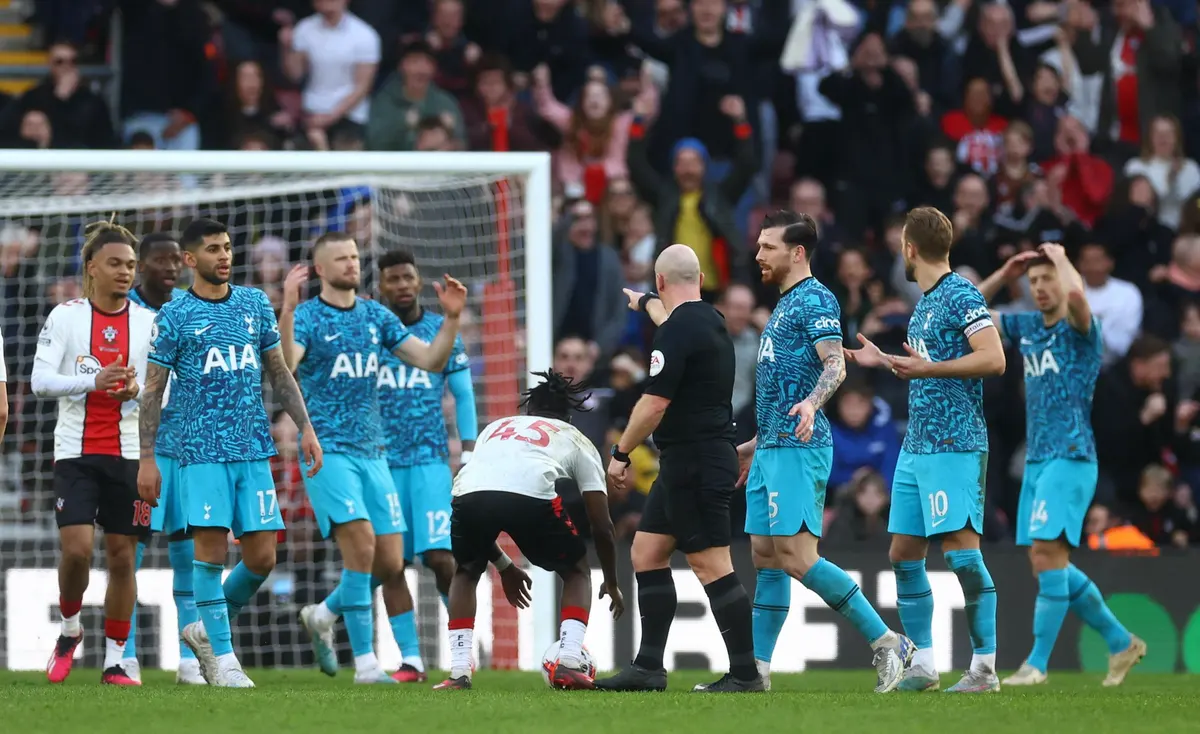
x=537 y=224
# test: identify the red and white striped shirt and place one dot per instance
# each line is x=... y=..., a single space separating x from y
x=77 y=341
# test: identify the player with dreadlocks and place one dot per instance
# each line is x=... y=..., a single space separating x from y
x=510 y=487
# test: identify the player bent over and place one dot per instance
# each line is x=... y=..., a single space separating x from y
x=159 y=264
x=938 y=490
x=336 y=343
x=800 y=366
x=219 y=340
x=1061 y=350
x=509 y=487
x=91 y=353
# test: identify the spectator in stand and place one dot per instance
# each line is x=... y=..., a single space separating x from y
x=1043 y=108
x=1187 y=352
x=251 y=106
x=406 y=98
x=336 y=54
x=551 y=32
x=1157 y=514
x=1081 y=181
x=1134 y=422
x=920 y=41
x=936 y=187
x=1139 y=54
x=433 y=135
x=79 y=117
x=494 y=118
x=595 y=133
x=994 y=54
x=976 y=129
x=617 y=206
x=736 y=305
x=1180 y=282
x=857 y=290
x=166 y=83
x=1116 y=303
x=690 y=211
x=807 y=195
x=864 y=434
x=637 y=250
x=1141 y=245
x=588 y=302
x=1162 y=161
x=34 y=131
x=1013 y=171
x=454 y=53
x=872 y=98
x=861 y=509
x=972 y=226
x=576 y=358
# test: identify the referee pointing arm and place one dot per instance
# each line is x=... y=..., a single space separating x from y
x=687 y=406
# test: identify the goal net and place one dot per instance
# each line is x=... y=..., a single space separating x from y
x=482 y=218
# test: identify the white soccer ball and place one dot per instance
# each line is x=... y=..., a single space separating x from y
x=551 y=657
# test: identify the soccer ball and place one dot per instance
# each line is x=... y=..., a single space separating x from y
x=551 y=657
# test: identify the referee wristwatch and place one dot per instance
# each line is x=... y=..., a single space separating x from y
x=618 y=454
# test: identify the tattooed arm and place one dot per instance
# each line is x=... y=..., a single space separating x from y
x=150 y=414
x=830 y=352
x=287 y=391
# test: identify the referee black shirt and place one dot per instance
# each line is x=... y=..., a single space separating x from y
x=692 y=365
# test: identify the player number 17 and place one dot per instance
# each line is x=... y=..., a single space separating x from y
x=267 y=503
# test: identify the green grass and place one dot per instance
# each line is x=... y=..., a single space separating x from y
x=298 y=702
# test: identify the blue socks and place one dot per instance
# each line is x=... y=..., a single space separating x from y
x=131 y=643
x=772 y=600
x=334 y=600
x=1088 y=604
x=358 y=611
x=1048 y=614
x=843 y=596
x=980 y=595
x=404 y=629
x=181 y=555
x=914 y=598
x=240 y=587
x=211 y=605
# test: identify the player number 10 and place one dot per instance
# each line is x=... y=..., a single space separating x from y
x=938 y=503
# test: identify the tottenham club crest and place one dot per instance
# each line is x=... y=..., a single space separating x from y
x=109 y=334
x=249 y=324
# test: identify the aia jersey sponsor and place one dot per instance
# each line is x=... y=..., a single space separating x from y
x=526 y=455
x=78 y=341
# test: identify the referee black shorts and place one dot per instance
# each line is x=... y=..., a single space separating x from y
x=690 y=498
x=100 y=490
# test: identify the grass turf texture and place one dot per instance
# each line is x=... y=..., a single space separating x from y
x=302 y=701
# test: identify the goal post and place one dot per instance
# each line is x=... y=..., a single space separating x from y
x=482 y=217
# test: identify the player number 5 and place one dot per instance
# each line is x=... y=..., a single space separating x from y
x=267 y=503
x=772 y=507
x=938 y=504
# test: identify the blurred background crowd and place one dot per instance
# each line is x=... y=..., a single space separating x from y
x=684 y=121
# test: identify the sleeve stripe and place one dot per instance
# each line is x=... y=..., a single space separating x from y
x=264 y=350
x=160 y=363
x=827 y=337
x=457 y=369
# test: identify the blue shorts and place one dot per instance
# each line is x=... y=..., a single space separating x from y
x=425 y=496
x=785 y=491
x=169 y=517
x=350 y=488
x=935 y=494
x=1055 y=496
x=238 y=495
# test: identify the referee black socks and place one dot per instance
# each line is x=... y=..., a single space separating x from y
x=656 y=603
x=732 y=610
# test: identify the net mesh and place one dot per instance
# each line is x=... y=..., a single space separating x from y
x=470 y=226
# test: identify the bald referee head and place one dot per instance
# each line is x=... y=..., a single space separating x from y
x=677 y=276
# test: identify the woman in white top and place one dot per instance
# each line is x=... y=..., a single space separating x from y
x=1173 y=176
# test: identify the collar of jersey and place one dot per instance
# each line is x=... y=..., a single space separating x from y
x=795 y=285
x=118 y=312
x=933 y=287
x=223 y=299
x=338 y=308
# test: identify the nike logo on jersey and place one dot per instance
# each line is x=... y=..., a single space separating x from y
x=1026 y=342
x=198 y=332
x=331 y=337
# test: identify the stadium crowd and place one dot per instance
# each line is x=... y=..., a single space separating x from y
x=674 y=121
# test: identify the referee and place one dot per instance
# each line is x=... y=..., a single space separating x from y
x=688 y=407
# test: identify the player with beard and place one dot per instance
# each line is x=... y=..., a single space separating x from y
x=786 y=466
x=1061 y=350
x=336 y=343
x=938 y=490
x=159 y=264
x=220 y=340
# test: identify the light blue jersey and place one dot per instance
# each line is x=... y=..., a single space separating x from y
x=411 y=401
x=166 y=443
x=1061 y=367
x=343 y=351
x=788 y=365
x=945 y=415
x=216 y=350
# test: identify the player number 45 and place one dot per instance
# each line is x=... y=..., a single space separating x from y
x=542 y=429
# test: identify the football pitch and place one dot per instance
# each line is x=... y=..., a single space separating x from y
x=298 y=702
